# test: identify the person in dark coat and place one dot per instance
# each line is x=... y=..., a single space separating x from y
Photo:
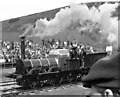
x=104 y=77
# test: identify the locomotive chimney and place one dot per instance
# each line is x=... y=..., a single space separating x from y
x=22 y=47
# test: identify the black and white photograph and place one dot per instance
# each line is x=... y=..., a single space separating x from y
x=62 y=48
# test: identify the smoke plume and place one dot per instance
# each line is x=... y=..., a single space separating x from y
x=95 y=23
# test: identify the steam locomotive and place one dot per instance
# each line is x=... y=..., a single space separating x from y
x=55 y=69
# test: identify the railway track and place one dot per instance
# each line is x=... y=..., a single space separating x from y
x=11 y=88
x=4 y=86
x=8 y=87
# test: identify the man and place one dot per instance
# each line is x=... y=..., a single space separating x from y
x=104 y=77
x=109 y=50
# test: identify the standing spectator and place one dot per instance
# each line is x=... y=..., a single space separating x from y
x=109 y=50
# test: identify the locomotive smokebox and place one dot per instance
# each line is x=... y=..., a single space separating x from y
x=22 y=47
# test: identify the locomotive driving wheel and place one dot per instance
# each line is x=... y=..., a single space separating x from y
x=78 y=77
x=70 y=77
x=60 y=80
x=32 y=84
x=35 y=72
x=40 y=84
x=53 y=80
x=24 y=84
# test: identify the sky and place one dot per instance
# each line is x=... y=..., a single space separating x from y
x=17 y=8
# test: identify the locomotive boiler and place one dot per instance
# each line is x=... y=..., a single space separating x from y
x=55 y=69
x=52 y=70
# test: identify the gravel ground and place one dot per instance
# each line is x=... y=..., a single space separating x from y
x=74 y=89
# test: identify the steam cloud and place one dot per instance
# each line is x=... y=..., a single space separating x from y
x=96 y=23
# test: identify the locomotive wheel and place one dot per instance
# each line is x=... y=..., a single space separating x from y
x=25 y=84
x=61 y=80
x=70 y=78
x=41 y=83
x=32 y=84
x=52 y=81
x=79 y=76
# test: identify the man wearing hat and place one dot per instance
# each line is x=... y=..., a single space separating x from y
x=104 y=77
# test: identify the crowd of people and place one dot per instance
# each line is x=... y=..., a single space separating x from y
x=10 y=51
x=105 y=84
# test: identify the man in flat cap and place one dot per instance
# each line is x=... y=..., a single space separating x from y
x=104 y=77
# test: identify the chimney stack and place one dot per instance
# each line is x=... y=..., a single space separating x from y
x=22 y=47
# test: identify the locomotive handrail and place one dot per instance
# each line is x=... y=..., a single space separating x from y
x=48 y=62
x=31 y=63
x=40 y=62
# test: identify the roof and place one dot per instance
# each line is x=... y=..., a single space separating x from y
x=59 y=52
